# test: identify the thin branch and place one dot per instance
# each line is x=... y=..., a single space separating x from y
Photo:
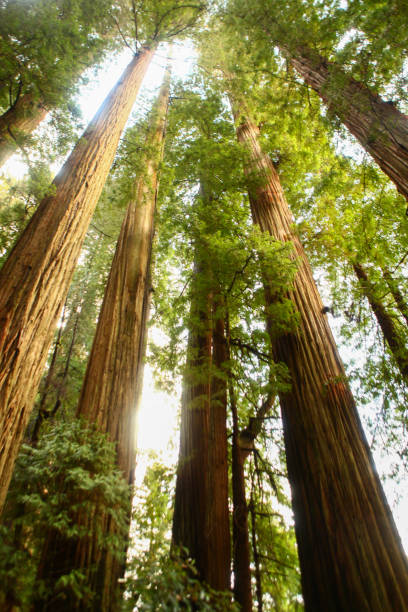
x=123 y=37
x=240 y=272
x=134 y=11
x=100 y=231
x=244 y=346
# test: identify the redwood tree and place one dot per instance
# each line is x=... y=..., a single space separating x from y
x=201 y=520
x=18 y=122
x=299 y=30
x=388 y=324
x=45 y=46
x=36 y=276
x=113 y=379
x=201 y=514
x=378 y=125
x=344 y=528
x=189 y=518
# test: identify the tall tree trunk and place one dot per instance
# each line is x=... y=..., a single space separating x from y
x=191 y=497
x=349 y=549
x=42 y=411
x=18 y=122
x=255 y=553
x=399 y=299
x=112 y=381
x=386 y=322
x=378 y=126
x=219 y=576
x=241 y=550
x=201 y=517
x=34 y=280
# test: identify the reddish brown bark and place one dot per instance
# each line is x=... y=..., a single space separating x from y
x=386 y=322
x=349 y=549
x=18 y=122
x=113 y=379
x=378 y=125
x=201 y=518
x=189 y=519
x=35 y=279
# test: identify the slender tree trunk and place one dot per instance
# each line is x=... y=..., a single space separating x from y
x=349 y=549
x=18 y=122
x=399 y=299
x=61 y=388
x=380 y=128
x=219 y=576
x=386 y=322
x=42 y=412
x=255 y=553
x=112 y=381
x=241 y=550
x=35 y=279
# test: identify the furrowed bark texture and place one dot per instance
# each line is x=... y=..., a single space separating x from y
x=379 y=127
x=349 y=549
x=201 y=519
x=386 y=322
x=35 y=279
x=18 y=122
x=113 y=380
x=189 y=519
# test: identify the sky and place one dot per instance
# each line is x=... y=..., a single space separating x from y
x=158 y=413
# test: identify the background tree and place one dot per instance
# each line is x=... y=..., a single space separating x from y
x=45 y=47
x=375 y=122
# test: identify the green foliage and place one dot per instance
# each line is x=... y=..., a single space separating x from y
x=159 y=578
x=46 y=44
x=271 y=529
x=345 y=211
x=147 y=22
x=171 y=584
x=73 y=469
x=18 y=201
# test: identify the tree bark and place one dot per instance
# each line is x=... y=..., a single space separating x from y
x=386 y=322
x=35 y=279
x=241 y=550
x=349 y=549
x=43 y=413
x=112 y=383
x=201 y=516
x=399 y=299
x=219 y=576
x=18 y=122
x=379 y=126
x=255 y=553
x=190 y=506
